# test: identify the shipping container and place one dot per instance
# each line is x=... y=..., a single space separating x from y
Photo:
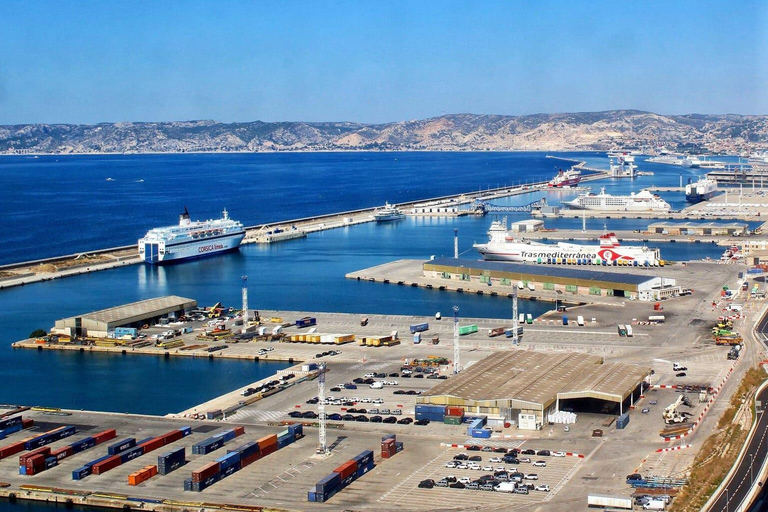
x=497 y=331
x=467 y=329
x=207 y=445
x=83 y=444
x=622 y=421
x=306 y=322
x=81 y=472
x=152 y=444
x=483 y=433
x=346 y=469
x=170 y=461
x=205 y=472
x=297 y=429
x=44 y=451
x=105 y=436
x=106 y=464
x=63 y=452
x=329 y=483
x=228 y=460
x=185 y=431
x=247 y=449
x=49 y=437
x=453 y=420
x=10 y=422
x=266 y=441
x=419 y=328
x=10 y=430
x=121 y=446
x=131 y=454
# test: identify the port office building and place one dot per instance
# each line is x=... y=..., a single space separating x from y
x=565 y=279
x=135 y=314
x=526 y=386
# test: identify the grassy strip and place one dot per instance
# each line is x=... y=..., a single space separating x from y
x=719 y=451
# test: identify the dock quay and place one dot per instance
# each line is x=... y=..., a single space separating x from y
x=280 y=480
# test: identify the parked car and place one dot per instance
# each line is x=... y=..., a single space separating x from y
x=348 y=417
x=500 y=449
x=451 y=464
x=495 y=459
x=376 y=419
x=487 y=448
x=645 y=410
x=543 y=453
x=295 y=414
x=528 y=452
x=394 y=374
x=456 y=485
x=362 y=418
x=681 y=374
x=540 y=464
x=472 y=485
x=521 y=490
x=542 y=488
x=475 y=458
x=487 y=487
x=558 y=454
x=426 y=484
x=309 y=414
x=405 y=421
x=421 y=422
x=389 y=419
x=441 y=483
x=461 y=456
x=335 y=417
x=526 y=460
x=531 y=476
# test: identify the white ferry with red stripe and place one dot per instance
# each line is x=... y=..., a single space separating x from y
x=505 y=246
x=569 y=178
x=191 y=239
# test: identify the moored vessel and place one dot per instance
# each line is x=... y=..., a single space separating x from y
x=569 y=178
x=641 y=202
x=387 y=213
x=700 y=191
x=505 y=246
x=191 y=239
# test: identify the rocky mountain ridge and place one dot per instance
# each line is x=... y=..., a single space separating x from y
x=456 y=132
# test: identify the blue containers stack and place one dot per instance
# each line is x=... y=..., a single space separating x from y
x=430 y=412
x=213 y=443
x=10 y=426
x=50 y=437
x=84 y=471
x=170 y=461
x=228 y=464
x=622 y=421
x=121 y=446
x=341 y=477
x=476 y=428
x=131 y=454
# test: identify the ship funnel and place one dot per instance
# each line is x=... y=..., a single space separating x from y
x=184 y=218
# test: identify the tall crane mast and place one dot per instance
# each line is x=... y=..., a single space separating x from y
x=322 y=447
x=515 y=339
x=245 y=303
x=456 y=352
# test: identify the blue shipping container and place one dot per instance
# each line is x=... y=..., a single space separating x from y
x=388 y=436
x=227 y=460
x=364 y=458
x=22 y=470
x=50 y=462
x=311 y=496
x=247 y=449
x=296 y=429
x=10 y=430
x=328 y=483
x=45 y=439
x=83 y=444
x=231 y=469
x=419 y=328
x=4 y=424
x=186 y=431
x=81 y=472
x=482 y=433
x=131 y=454
x=363 y=469
x=282 y=442
x=121 y=446
x=227 y=435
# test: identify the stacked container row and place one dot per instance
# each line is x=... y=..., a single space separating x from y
x=241 y=457
x=111 y=461
x=171 y=461
x=430 y=412
x=341 y=477
x=215 y=442
x=142 y=475
x=390 y=446
x=44 y=458
x=11 y=425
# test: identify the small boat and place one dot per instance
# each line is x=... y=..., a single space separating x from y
x=110 y=179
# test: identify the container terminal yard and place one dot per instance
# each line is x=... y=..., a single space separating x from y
x=592 y=392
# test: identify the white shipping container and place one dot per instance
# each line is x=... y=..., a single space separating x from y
x=629 y=331
x=607 y=501
x=580 y=320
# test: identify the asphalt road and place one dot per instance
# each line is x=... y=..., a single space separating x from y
x=735 y=491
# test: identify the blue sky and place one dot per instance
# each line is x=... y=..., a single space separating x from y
x=87 y=62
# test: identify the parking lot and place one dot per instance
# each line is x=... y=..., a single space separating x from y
x=407 y=492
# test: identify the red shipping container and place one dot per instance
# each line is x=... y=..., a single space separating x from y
x=384 y=455
x=62 y=453
x=454 y=411
x=267 y=441
x=11 y=449
x=45 y=451
x=152 y=444
x=172 y=436
x=27 y=423
x=205 y=471
x=249 y=459
x=35 y=462
x=105 y=436
x=106 y=465
x=239 y=431
x=268 y=450
x=346 y=469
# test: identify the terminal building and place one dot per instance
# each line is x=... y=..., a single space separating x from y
x=577 y=281
x=136 y=314
x=526 y=386
x=699 y=228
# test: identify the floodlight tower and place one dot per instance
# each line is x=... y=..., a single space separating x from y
x=322 y=447
x=456 y=243
x=515 y=339
x=456 y=354
x=245 y=303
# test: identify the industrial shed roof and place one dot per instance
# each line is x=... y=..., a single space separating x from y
x=141 y=309
x=541 y=378
x=735 y=225
x=543 y=271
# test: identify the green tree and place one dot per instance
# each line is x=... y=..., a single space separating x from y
x=38 y=333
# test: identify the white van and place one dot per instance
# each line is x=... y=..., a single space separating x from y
x=506 y=487
x=377 y=385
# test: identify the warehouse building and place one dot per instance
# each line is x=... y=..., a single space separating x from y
x=526 y=386
x=699 y=228
x=577 y=281
x=136 y=314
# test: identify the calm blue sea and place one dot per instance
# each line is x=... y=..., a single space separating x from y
x=63 y=204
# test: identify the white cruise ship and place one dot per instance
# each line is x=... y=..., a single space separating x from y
x=643 y=201
x=191 y=239
x=505 y=246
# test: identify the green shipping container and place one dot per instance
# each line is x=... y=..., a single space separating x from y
x=453 y=420
x=467 y=329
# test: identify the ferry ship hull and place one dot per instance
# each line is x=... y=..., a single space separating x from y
x=695 y=197
x=158 y=253
x=581 y=255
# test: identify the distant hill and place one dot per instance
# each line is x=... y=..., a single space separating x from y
x=463 y=132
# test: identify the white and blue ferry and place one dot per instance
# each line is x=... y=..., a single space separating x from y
x=191 y=239
x=702 y=190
